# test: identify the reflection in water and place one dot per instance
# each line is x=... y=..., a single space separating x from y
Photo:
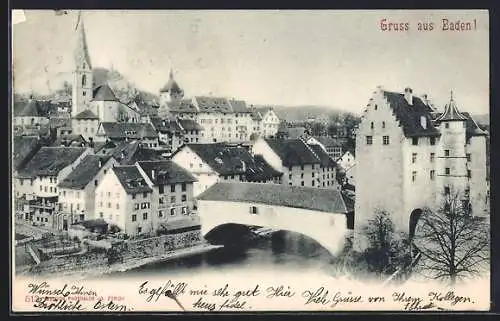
x=280 y=250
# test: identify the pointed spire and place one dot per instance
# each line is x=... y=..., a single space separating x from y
x=81 y=51
x=171 y=74
x=451 y=112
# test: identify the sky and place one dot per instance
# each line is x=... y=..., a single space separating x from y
x=327 y=58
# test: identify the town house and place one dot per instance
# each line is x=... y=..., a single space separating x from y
x=77 y=190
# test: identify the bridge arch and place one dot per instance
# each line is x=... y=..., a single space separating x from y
x=325 y=238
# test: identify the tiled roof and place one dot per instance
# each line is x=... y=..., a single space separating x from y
x=256 y=115
x=131 y=179
x=409 y=115
x=85 y=172
x=472 y=129
x=23 y=149
x=293 y=152
x=129 y=130
x=326 y=160
x=185 y=106
x=213 y=104
x=189 y=124
x=166 y=172
x=296 y=132
x=171 y=85
x=261 y=170
x=310 y=198
x=234 y=160
x=451 y=113
x=239 y=106
x=26 y=109
x=50 y=161
x=104 y=93
x=348 y=200
x=165 y=125
x=71 y=139
x=86 y=114
x=127 y=153
x=328 y=141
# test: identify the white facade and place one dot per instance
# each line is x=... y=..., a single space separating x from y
x=269 y=123
x=401 y=174
x=328 y=229
x=79 y=204
x=190 y=161
x=132 y=213
x=85 y=127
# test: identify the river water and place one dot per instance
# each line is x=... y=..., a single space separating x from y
x=282 y=251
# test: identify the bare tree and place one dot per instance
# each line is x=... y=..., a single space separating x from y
x=454 y=244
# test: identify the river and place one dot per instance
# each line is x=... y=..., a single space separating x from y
x=282 y=251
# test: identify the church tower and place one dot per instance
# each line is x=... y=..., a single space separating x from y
x=170 y=96
x=82 y=73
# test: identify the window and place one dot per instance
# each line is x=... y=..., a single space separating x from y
x=447 y=125
x=432 y=174
x=385 y=140
x=136 y=206
x=469 y=173
x=446 y=190
x=302 y=175
x=139 y=229
x=447 y=171
x=312 y=166
x=383 y=124
x=183 y=198
x=413 y=176
x=413 y=158
x=253 y=210
x=302 y=183
x=41 y=188
x=312 y=183
x=109 y=205
x=161 y=189
x=414 y=141
x=172 y=199
x=161 y=200
x=185 y=210
x=290 y=176
x=172 y=211
x=160 y=214
x=117 y=206
x=446 y=152
x=312 y=174
x=134 y=217
x=172 y=188
x=433 y=140
x=433 y=156
x=301 y=167
x=144 y=216
x=144 y=195
x=468 y=157
x=371 y=125
x=375 y=107
x=133 y=196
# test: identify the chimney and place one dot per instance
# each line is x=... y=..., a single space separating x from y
x=122 y=156
x=409 y=95
x=163 y=123
x=100 y=163
x=153 y=174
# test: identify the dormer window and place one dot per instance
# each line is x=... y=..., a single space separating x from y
x=423 y=122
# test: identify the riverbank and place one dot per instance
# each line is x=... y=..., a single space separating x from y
x=95 y=271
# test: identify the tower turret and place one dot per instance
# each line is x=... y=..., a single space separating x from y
x=170 y=96
x=452 y=166
x=82 y=73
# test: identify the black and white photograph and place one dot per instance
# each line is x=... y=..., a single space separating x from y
x=250 y=160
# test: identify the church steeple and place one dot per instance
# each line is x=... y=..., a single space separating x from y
x=82 y=72
x=81 y=51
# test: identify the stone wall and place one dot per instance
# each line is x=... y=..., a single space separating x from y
x=161 y=244
x=71 y=263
